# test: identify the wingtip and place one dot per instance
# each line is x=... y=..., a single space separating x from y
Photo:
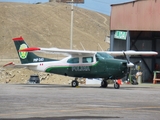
x=18 y=38
x=29 y=49
x=155 y=53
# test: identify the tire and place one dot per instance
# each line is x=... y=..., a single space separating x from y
x=104 y=84
x=116 y=86
x=34 y=79
x=74 y=83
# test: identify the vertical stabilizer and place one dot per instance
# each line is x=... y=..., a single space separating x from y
x=27 y=57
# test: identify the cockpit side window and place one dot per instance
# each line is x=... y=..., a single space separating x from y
x=87 y=59
x=73 y=60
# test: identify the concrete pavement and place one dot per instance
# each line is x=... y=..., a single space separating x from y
x=61 y=102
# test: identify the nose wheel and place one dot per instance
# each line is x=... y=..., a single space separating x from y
x=116 y=85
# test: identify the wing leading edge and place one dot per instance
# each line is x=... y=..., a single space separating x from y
x=59 y=51
x=132 y=52
x=81 y=52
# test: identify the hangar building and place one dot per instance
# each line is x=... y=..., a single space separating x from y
x=135 y=25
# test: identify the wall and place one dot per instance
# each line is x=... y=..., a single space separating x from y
x=141 y=15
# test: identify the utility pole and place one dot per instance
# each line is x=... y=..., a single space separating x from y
x=71 y=35
x=72 y=2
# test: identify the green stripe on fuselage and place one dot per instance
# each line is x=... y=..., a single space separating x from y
x=51 y=68
x=65 y=67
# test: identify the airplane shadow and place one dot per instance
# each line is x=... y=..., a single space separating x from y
x=55 y=86
x=59 y=86
x=65 y=118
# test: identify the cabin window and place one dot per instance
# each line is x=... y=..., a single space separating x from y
x=87 y=59
x=73 y=60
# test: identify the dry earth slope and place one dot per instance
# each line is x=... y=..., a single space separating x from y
x=47 y=25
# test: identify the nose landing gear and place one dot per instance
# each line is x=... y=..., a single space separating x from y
x=116 y=85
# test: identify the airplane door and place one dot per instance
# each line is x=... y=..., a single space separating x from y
x=80 y=66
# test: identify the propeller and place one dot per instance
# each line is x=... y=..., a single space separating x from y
x=129 y=65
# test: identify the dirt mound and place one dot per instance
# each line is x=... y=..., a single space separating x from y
x=23 y=75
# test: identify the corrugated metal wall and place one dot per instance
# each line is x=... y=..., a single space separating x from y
x=141 y=15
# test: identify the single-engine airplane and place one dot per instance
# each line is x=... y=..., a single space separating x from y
x=78 y=63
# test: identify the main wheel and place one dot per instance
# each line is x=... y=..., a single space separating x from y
x=104 y=84
x=74 y=83
x=116 y=86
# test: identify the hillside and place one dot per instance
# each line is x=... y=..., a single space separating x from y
x=48 y=25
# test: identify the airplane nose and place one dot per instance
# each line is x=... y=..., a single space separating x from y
x=130 y=64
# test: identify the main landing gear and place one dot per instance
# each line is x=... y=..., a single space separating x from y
x=75 y=83
x=104 y=84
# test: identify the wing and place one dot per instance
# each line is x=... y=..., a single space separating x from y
x=131 y=52
x=12 y=65
x=81 y=52
x=59 y=51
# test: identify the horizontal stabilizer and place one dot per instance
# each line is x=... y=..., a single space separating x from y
x=12 y=65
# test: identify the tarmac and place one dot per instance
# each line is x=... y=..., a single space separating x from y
x=86 y=102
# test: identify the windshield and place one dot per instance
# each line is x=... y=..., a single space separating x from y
x=103 y=55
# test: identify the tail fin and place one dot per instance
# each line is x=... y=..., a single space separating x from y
x=27 y=57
